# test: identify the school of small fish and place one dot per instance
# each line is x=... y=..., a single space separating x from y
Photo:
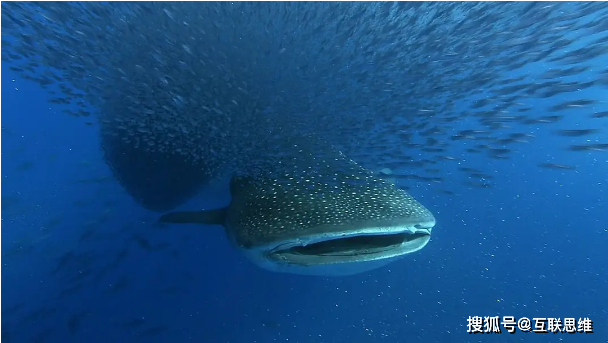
x=403 y=86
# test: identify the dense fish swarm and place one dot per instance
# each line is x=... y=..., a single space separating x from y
x=392 y=85
x=157 y=181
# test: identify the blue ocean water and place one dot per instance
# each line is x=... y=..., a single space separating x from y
x=82 y=262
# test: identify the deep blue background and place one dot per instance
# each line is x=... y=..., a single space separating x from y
x=534 y=245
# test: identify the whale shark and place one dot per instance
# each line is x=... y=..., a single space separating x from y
x=332 y=226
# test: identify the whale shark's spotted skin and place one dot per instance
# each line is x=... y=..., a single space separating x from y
x=286 y=209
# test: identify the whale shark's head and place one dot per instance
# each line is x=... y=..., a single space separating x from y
x=317 y=221
x=310 y=227
x=304 y=226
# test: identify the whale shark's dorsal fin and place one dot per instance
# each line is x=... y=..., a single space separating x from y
x=206 y=217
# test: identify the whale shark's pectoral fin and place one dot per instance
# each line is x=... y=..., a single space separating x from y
x=208 y=217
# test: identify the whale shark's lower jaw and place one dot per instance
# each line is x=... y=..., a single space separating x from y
x=346 y=253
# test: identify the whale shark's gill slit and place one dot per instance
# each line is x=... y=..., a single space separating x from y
x=357 y=245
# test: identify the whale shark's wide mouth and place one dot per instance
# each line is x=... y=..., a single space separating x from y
x=354 y=248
